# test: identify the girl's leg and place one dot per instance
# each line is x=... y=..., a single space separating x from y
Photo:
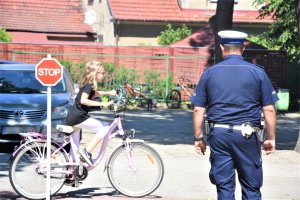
x=96 y=139
x=96 y=126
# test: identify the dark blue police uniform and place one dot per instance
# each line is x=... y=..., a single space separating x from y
x=234 y=92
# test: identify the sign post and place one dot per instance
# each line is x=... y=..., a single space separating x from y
x=48 y=72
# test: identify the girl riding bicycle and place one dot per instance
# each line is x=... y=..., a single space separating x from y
x=78 y=114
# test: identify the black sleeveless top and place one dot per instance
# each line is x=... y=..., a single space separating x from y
x=78 y=112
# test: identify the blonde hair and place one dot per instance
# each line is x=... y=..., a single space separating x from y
x=89 y=76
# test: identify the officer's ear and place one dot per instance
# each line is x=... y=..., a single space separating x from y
x=223 y=50
x=222 y=47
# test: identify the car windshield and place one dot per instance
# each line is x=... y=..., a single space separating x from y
x=25 y=82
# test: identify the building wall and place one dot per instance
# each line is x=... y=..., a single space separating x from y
x=103 y=25
x=108 y=28
x=145 y=33
x=93 y=6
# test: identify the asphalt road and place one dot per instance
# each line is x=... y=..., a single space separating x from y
x=170 y=132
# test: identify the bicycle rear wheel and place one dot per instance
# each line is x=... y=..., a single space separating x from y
x=173 y=99
x=141 y=179
x=27 y=173
x=149 y=100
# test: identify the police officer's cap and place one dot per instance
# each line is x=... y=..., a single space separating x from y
x=232 y=37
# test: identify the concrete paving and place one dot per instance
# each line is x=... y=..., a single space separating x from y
x=170 y=132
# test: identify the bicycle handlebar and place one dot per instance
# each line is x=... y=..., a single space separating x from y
x=120 y=100
x=183 y=79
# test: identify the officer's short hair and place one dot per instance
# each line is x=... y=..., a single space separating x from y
x=233 y=47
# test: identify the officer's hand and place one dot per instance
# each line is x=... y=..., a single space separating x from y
x=200 y=147
x=269 y=146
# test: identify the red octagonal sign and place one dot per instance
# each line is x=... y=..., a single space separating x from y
x=48 y=72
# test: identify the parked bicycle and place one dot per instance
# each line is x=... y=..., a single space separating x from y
x=142 y=97
x=134 y=168
x=173 y=99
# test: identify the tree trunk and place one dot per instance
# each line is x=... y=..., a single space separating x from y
x=298 y=17
x=222 y=20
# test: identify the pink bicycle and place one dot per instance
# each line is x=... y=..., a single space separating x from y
x=134 y=168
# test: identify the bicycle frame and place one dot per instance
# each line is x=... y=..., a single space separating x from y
x=185 y=90
x=181 y=85
x=74 y=141
x=71 y=169
x=138 y=95
x=133 y=92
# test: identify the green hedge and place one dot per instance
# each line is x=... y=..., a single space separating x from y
x=117 y=74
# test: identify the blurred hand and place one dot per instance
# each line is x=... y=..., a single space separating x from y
x=200 y=147
x=112 y=93
x=106 y=104
x=269 y=146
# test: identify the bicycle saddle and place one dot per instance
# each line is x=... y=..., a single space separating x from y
x=67 y=129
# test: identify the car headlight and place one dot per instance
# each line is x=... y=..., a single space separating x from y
x=60 y=112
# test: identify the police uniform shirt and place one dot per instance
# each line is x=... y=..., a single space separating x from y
x=233 y=92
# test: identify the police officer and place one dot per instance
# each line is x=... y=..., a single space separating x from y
x=233 y=93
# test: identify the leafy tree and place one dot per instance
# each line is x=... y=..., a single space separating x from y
x=4 y=36
x=170 y=35
x=283 y=33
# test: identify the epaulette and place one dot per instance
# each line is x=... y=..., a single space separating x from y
x=260 y=66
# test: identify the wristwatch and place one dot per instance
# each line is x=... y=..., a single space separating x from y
x=198 y=139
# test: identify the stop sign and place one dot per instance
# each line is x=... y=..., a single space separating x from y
x=48 y=72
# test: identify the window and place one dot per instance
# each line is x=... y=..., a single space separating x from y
x=25 y=82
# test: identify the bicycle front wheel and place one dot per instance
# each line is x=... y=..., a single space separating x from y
x=173 y=99
x=140 y=178
x=27 y=173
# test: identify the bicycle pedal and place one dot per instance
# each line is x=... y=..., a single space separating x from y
x=82 y=159
x=70 y=182
x=132 y=132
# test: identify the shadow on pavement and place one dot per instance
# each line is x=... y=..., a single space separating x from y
x=93 y=193
x=81 y=193
x=7 y=195
x=158 y=126
x=287 y=131
x=170 y=127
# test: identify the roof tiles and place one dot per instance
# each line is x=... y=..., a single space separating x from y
x=60 y=16
x=169 y=10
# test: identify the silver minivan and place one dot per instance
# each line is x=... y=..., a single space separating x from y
x=23 y=101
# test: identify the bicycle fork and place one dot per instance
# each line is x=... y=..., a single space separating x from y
x=127 y=143
x=129 y=155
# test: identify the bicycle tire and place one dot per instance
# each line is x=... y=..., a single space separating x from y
x=149 y=100
x=145 y=179
x=173 y=99
x=33 y=184
x=154 y=99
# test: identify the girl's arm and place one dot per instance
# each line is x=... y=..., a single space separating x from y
x=101 y=93
x=87 y=102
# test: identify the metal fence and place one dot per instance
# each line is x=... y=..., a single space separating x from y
x=158 y=66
